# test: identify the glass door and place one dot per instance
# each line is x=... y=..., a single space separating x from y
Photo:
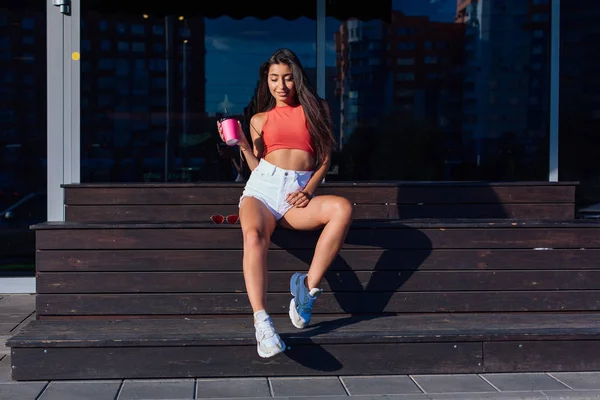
x=23 y=154
x=154 y=82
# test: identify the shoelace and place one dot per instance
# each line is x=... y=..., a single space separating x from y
x=266 y=329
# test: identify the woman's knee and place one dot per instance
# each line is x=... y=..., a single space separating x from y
x=342 y=209
x=256 y=238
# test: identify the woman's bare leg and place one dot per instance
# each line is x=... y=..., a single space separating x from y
x=258 y=225
x=334 y=215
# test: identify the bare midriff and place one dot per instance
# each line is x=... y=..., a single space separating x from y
x=291 y=159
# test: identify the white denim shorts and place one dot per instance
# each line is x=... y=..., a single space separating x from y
x=271 y=185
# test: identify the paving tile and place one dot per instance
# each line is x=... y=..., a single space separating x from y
x=524 y=381
x=25 y=322
x=327 y=386
x=579 y=380
x=21 y=390
x=19 y=302
x=489 y=396
x=370 y=385
x=77 y=390
x=572 y=395
x=6 y=327
x=457 y=383
x=259 y=398
x=15 y=318
x=232 y=388
x=4 y=350
x=157 y=389
x=366 y=397
x=5 y=369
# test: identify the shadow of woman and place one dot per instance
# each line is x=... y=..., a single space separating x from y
x=368 y=279
x=377 y=259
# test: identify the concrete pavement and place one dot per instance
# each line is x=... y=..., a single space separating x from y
x=17 y=310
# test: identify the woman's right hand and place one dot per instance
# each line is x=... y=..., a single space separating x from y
x=242 y=140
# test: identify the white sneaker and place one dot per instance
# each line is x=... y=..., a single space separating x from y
x=268 y=342
x=302 y=303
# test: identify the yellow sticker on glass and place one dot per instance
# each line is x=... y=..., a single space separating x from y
x=75 y=56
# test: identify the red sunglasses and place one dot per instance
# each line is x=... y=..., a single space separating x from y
x=230 y=219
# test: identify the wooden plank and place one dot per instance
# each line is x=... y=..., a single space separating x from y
x=408 y=193
x=298 y=260
x=147 y=213
x=558 y=211
x=413 y=223
x=236 y=361
x=401 y=237
x=456 y=193
x=336 y=281
x=153 y=195
x=338 y=329
x=329 y=303
x=362 y=184
x=202 y=213
x=552 y=356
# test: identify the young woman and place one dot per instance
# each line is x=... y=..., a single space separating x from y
x=292 y=141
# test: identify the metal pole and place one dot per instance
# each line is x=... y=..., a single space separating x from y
x=168 y=61
x=321 y=23
x=554 y=90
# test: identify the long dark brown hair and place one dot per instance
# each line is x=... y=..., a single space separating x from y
x=318 y=118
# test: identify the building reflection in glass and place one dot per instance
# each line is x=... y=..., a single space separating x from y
x=153 y=88
x=450 y=89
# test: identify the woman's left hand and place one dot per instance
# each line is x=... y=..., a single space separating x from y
x=298 y=199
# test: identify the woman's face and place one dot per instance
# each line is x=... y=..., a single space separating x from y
x=281 y=83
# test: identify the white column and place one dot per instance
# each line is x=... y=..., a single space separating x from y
x=64 y=89
x=55 y=118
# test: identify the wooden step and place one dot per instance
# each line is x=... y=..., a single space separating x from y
x=338 y=345
x=186 y=202
x=438 y=266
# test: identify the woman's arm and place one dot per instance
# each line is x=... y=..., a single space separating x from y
x=252 y=158
x=313 y=184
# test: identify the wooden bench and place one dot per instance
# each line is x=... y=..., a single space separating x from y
x=373 y=200
x=144 y=295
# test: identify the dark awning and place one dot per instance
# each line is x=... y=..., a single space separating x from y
x=238 y=9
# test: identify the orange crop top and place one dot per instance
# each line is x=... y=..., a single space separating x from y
x=285 y=128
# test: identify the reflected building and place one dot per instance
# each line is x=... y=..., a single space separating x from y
x=506 y=75
x=330 y=95
x=580 y=62
x=143 y=81
x=22 y=103
x=580 y=97
x=408 y=66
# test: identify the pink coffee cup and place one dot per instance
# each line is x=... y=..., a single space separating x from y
x=229 y=127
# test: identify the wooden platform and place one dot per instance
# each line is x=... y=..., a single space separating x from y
x=358 y=345
x=136 y=283
x=122 y=270
x=372 y=200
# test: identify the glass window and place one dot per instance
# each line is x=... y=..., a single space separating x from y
x=22 y=133
x=172 y=77
x=28 y=23
x=428 y=110
x=579 y=103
